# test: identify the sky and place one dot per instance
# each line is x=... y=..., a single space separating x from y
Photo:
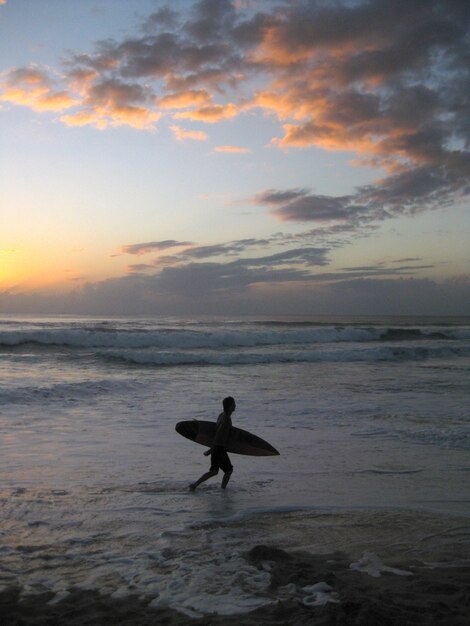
x=228 y=157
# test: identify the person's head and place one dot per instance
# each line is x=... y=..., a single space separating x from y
x=229 y=404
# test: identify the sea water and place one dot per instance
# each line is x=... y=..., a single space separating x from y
x=369 y=415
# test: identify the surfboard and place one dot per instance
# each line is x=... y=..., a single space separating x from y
x=240 y=441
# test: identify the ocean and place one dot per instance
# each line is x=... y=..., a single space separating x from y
x=371 y=417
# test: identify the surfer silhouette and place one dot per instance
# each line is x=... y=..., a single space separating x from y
x=218 y=449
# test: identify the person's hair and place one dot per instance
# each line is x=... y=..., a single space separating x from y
x=228 y=402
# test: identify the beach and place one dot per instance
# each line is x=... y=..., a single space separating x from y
x=362 y=519
x=421 y=579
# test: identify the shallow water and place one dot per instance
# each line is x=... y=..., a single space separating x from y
x=369 y=416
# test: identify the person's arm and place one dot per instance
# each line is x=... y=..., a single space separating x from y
x=207 y=452
x=221 y=433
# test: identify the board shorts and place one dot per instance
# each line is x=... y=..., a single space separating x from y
x=220 y=460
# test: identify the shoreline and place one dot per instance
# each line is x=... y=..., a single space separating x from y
x=388 y=568
x=437 y=596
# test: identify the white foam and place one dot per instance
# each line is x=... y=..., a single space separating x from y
x=232 y=344
x=185 y=339
x=317 y=594
x=211 y=577
x=59 y=596
x=218 y=337
x=372 y=565
x=203 y=583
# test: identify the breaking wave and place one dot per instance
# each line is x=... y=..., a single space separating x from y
x=383 y=353
x=177 y=343
x=170 y=338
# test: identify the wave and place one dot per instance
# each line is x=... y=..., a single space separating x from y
x=201 y=358
x=452 y=437
x=218 y=338
x=386 y=472
x=61 y=392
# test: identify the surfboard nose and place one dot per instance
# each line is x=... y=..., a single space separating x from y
x=187 y=429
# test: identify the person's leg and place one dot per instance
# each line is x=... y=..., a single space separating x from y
x=226 y=478
x=226 y=467
x=204 y=477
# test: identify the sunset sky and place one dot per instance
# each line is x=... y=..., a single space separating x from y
x=235 y=156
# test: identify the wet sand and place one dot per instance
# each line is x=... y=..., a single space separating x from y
x=406 y=593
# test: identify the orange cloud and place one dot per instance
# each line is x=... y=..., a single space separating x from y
x=346 y=75
x=291 y=101
x=210 y=114
x=232 y=149
x=273 y=101
x=54 y=101
x=185 y=99
x=103 y=117
x=136 y=117
x=32 y=87
x=326 y=137
x=85 y=118
x=111 y=102
x=181 y=134
x=336 y=83
x=81 y=80
x=335 y=118
x=273 y=49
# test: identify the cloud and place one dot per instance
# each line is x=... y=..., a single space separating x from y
x=180 y=59
x=191 y=274
x=185 y=99
x=241 y=270
x=114 y=102
x=212 y=288
x=210 y=114
x=232 y=149
x=140 y=267
x=406 y=193
x=305 y=256
x=401 y=296
x=208 y=279
x=152 y=246
x=317 y=208
x=372 y=77
x=384 y=79
x=164 y=17
x=367 y=271
x=86 y=118
x=406 y=260
x=33 y=87
x=181 y=134
x=210 y=20
x=232 y=248
x=275 y=197
x=298 y=205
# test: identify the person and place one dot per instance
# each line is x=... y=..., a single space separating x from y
x=218 y=449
